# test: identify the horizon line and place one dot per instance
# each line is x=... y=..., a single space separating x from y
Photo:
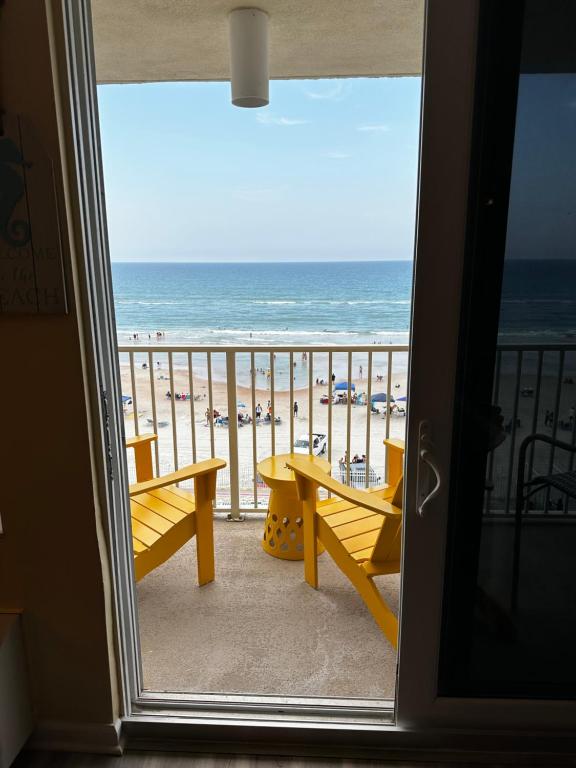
x=262 y=261
x=322 y=261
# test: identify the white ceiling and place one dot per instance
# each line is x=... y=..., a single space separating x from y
x=164 y=40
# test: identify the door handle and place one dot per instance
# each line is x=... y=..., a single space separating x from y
x=426 y=462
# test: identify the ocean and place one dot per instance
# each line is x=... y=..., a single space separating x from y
x=264 y=303
x=319 y=303
x=538 y=301
x=315 y=304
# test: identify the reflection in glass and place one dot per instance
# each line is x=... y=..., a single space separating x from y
x=525 y=616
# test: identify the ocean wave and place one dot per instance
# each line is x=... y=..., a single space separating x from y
x=281 y=332
x=327 y=302
x=538 y=301
x=274 y=302
x=377 y=301
x=539 y=332
x=254 y=335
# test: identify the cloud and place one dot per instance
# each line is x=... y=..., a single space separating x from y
x=265 y=118
x=336 y=93
x=374 y=128
x=336 y=155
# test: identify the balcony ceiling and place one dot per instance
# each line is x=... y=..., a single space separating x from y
x=169 y=40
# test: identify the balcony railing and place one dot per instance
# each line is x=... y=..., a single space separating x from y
x=535 y=386
x=203 y=402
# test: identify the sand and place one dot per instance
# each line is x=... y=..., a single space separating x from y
x=190 y=412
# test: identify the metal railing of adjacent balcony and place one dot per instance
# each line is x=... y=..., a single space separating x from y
x=204 y=402
x=535 y=386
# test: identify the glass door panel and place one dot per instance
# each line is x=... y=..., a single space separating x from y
x=489 y=609
x=510 y=621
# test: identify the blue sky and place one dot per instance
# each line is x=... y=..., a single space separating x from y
x=326 y=172
x=542 y=212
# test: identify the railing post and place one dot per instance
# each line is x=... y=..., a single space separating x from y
x=234 y=513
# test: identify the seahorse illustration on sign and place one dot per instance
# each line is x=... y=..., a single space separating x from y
x=16 y=232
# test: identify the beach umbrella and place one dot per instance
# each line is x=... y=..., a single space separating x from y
x=404 y=398
x=126 y=399
x=343 y=385
x=382 y=397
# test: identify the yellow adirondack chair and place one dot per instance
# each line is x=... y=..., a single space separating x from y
x=165 y=517
x=361 y=530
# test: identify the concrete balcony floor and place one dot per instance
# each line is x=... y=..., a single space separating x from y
x=259 y=628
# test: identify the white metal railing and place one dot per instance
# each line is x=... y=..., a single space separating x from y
x=203 y=402
x=535 y=387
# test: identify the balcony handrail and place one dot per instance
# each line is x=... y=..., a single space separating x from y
x=535 y=347
x=246 y=348
x=510 y=380
x=320 y=360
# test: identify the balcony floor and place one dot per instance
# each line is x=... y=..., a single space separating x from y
x=259 y=628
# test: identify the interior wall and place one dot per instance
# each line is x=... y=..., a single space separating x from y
x=50 y=562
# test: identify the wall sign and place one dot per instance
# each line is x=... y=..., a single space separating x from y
x=31 y=270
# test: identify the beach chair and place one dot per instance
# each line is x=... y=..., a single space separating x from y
x=360 y=530
x=165 y=517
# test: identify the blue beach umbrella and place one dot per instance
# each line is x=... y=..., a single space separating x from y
x=126 y=399
x=382 y=397
x=404 y=398
x=343 y=385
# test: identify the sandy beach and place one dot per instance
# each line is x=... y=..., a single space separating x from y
x=191 y=418
x=191 y=422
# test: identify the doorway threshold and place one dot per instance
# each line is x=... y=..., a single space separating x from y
x=306 y=710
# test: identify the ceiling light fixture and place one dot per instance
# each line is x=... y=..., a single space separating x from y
x=249 y=57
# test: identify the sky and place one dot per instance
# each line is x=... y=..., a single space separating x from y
x=542 y=209
x=328 y=171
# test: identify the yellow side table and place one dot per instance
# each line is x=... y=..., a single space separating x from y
x=283 y=534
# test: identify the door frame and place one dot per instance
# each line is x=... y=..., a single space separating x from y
x=354 y=715
x=153 y=722
x=82 y=135
x=453 y=138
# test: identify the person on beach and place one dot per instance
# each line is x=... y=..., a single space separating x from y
x=295 y=409
x=360 y=370
x=207 y=414
x=333 y=378
x=258 y=411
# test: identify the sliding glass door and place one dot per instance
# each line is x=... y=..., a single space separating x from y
x=489 y=608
